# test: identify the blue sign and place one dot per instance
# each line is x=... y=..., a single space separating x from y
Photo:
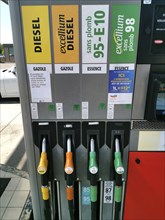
x=121 y=81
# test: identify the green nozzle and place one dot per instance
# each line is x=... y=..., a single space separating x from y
x=93 y=192
x=93 y=169
x=118 y=163
x=118 y=194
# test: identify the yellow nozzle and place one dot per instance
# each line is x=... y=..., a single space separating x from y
x=45 y=192
x=43 y=164
x=69 y=163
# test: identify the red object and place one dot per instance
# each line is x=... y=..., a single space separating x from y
x=145 y=190
x=158 y=41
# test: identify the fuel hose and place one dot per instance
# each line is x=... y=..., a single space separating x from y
x=42 y=170
x=69 y=170
x=119 y=170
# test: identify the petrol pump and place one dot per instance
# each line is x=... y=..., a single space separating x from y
x=83 y=90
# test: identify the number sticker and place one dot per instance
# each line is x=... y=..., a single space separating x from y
x=108 y=192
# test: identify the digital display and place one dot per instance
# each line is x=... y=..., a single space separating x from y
x=158 y=39
x=160 y=104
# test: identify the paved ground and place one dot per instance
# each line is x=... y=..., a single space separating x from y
x=6 y=65
x=12 y=150
x=15 y=202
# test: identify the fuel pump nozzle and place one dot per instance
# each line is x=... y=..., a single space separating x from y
x=119 y=170
x=118 y=160
x=42 y=170
x=43 y=164
x=93 y=169
x=69 y=169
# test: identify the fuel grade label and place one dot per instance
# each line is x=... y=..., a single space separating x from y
x=66 y=38
x=124 y=33
x=36 y=32
x=94 y=38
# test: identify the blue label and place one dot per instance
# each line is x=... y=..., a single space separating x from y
x=86 y=196
x=121 y=81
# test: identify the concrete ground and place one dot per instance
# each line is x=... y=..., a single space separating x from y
x=12 y=150
x=15 y=202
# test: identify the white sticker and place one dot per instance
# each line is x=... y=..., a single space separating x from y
x=121 y=66
x=108 y=191
x=147 y=2
x=40 y=87
x=68 y=126
x=59 y=110
x=94 y=38
x=93 y=123
x=120 y=98
x=43 y=123
x=94 y=68
x=110 y=111
x=34 y=110
x=39 y=68
x=85 y=110
x=66 y=68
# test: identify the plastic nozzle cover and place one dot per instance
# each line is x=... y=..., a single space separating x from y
x=69 y=168
x=69 y=193
x=118 y=193
x=45 y=192
x=118 y=163
x=118 y=160
x=43 y=164
x=93 y=193
x=93 y=169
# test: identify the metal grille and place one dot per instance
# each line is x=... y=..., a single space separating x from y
x=147 y=125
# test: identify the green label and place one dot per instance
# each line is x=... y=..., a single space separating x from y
x=51 y=108
x=76 y=107
x=102 y=106
x=124 y=33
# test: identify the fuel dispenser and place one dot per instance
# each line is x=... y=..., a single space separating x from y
x=83 y=89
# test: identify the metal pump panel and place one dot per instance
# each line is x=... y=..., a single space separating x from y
x=84 y=74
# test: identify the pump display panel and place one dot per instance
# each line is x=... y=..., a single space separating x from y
x=158 y=38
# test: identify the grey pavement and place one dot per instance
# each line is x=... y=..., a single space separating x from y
x=15 y=202
x=12 y=149
x=6 y=65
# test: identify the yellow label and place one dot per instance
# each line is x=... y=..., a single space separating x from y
x=36 y=34
x=65 y=33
